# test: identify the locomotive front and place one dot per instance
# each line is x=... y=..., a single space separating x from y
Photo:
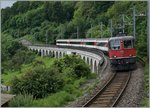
x=122 y=53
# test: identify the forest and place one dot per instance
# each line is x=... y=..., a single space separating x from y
x=42 y=22
x=46 y=21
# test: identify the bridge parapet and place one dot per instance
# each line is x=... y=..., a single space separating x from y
x=92 y=59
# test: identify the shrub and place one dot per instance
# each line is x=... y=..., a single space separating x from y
x=145 y=99
x=20 y=100
x=23 y=56
x=81 y=70
x=38 y=63
x=78 y=68
x=20 y=57
x=73 y=88
x=56 y=100
x=38 y=81
x=68 y=75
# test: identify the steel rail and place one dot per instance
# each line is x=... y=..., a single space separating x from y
x=102 y=89
x=119 y=96
x=99 y=99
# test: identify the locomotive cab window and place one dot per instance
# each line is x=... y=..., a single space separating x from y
x=128 y=43
x=115 y=44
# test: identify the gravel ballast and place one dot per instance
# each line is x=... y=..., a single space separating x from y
x=135 y=89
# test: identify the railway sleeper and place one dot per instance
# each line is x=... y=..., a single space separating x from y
x=110 y=95
x=115 y=86
x=121 y=77
x=104 y=98
x=97 y=105
x=112 y=90
x=120 y=80
x=102 y=102
x=116 y=82
x=112 y=87
x=106 y=95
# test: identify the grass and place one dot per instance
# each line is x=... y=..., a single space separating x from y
x=47 y=60
x=7 y=76
x=25 y=100
x=145 y=100
x=68 y=93
x=54 y=100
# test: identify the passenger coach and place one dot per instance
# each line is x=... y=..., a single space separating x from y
x=90 y=43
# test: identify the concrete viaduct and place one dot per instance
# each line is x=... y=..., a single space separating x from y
x=92 y=59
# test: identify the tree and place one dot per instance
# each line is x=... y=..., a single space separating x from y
x=38 y=81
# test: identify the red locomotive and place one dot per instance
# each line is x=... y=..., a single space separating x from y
x=122 y=53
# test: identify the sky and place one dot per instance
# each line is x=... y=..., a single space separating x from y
x=7 y=3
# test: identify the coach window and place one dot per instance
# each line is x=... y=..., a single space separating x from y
x=89 y=43
x=101 y=44
x=128 y=44
x=62 y=42
x=115 y=44
x=74 y=42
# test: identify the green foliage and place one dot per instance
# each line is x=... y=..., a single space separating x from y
x=8 y=75
x=14 y=54
x=38 y=63
x=20 y=100
x=9 y=46
x=145 y=100
x=66 y=15
x=73 y=86
x=22 y=57
x=6 y=44
x=142 y=38
x=38 y=81
x=46 y=21
x=29 y=80
x=81 y=70
x=76 y=66
x=146 y=77
x=55 y=100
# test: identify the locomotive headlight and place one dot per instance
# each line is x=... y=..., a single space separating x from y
x=114 y=56
x=130 y=55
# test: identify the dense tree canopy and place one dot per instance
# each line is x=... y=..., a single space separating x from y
x=46 y=21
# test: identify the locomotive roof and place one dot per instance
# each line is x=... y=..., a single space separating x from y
x=122 y=37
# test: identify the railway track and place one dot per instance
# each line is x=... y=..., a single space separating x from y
x=109 y=95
